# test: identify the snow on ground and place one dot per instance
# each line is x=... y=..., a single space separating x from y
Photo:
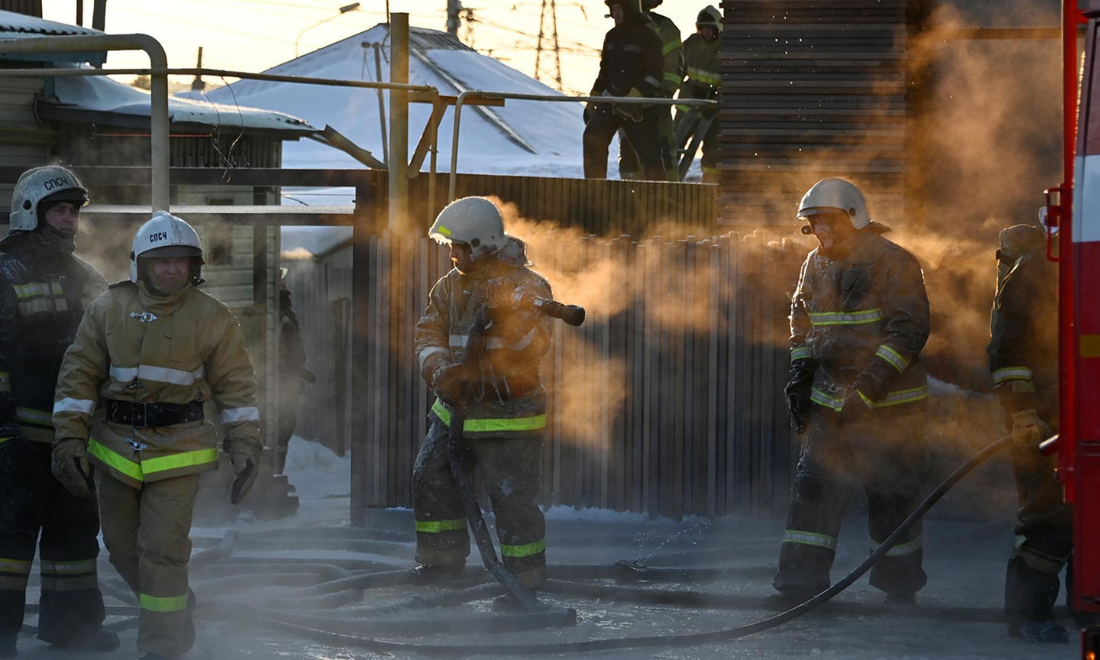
x=276 y=565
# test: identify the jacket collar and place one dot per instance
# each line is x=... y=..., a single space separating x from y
x=162 y=304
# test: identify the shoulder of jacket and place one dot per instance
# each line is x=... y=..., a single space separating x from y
x=528 y=274
x=91 y=271
x=205 y=301
x=891 y=250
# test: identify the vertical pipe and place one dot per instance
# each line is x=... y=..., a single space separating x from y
x=381 y=100
x=399 y=123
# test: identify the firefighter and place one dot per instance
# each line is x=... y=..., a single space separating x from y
x=149 y=353
x=503 y=396
x=1023 y=359
x=673 y=56
x=293 y=376
x=630 y=65
x=703 y=82
x=44 y=288
x=857 y=395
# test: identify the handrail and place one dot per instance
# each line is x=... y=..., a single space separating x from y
x=553 y=98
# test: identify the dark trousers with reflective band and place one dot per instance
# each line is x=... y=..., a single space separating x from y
x=643 y=136
x=1044 y=539
x=147 y=533
x=34 y=502
x=885 y=451
x=512 y=471
x=630 y=168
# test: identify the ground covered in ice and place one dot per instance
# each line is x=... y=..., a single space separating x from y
x=310 y=586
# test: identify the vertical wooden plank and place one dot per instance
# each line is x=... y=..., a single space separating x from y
x=608 y=414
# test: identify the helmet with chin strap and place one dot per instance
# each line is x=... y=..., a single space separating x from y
x=38 y=187
x=165 y=236
x=474 y=221
x=834 y=195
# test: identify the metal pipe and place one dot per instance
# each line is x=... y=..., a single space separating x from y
x=555 y=98
x=158 y=112
x=398 y=160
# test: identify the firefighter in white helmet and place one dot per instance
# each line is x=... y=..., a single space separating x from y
x=44 y=288
x=704 y=81
x=857 y=395
x=502 y=394
x=149 y=353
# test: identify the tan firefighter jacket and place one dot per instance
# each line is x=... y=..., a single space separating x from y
x=861 y=314
x=133 y=346
x=510 y=399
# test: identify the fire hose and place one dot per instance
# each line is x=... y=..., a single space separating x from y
x=693 y=639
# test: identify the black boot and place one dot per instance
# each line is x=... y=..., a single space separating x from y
x=1042 y=631
x=189 y=623
x=785 y=600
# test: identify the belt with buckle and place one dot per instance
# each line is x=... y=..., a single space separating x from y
x=142 y=415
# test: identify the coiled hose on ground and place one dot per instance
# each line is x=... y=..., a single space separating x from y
x=693 y=639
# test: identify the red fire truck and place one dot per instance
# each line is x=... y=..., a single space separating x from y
x=1073 y=211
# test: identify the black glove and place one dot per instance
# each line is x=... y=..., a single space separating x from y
x=448 y=383
x=587 y=114
x=798 y=392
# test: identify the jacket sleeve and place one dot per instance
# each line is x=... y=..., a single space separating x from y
x=8 y=310
x=1011 y=364
x=907 y=323
x=600 y=83
x=432 y=338
x=527 y=334
x=654 y=64
x=673 y=55
x=83 y=370
x=800 y=319
x=232 y=380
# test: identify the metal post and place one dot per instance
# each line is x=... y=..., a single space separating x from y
x=399 y=123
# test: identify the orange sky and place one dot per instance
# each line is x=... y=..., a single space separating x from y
x=253 y=35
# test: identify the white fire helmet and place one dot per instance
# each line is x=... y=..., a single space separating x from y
x=165 y=235
x=709 y=16
x=474 y=221
x=42 y=184
x=835 y=195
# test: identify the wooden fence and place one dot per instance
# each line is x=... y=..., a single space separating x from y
x=667 y=401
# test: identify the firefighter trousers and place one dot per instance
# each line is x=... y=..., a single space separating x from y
x=1044 y=539
x=643 y=136
x=33 y=503
x=630 y=168
x=512 y=472
x=885 y=450
x=147 y=533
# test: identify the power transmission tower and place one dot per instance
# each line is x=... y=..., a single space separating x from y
x=553 y=39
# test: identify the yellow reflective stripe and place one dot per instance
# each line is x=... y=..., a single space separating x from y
x=176 y=461
x=3 y=440
x=526 y=550
x=809 y=538
x=822 y=399
x=443 y=230
x=32 y=416
x=439 y=526
x=866 y=400
x=672 y=77
x=55 y=289
x=904 y=396
x=800 y=353
x=68 y=567
x=32 y=289
x=1011 y=373
x=15 y=566
x=704 y=76
x=36 y=306
x=846 y=318
x=492 y=425
x=115 y=460
x=893 y=357
x=671 y=46
x=901 y=549
x=168 y=604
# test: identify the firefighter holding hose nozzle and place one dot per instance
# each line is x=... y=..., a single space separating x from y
x=857 y=395
x=500 y=393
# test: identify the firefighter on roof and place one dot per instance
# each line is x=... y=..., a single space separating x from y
x=44 y=288
x=857 y=395
x=503 y=395
x=149 y=353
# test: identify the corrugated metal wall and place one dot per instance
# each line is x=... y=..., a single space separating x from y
x=812 y=88
x=667 y=401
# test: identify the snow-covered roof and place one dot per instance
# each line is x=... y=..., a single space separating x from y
x=88 y=99
x=523 y=137
x=11 y=21
x=14 y=25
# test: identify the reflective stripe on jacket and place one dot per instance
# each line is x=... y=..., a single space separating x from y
x=509 y=386
x=43 y=293
x=671 y=53
x=133 y=346
x=862 y=315
x=701 y=59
